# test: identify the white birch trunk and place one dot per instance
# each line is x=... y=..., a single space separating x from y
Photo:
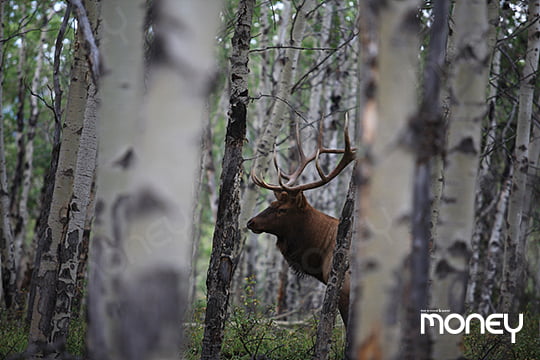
x=514 y=252
x=121 y=89
x=79 y=204
x=452 y=247
x=7 y=265
x=383 y=255
x=494 y=252
x=484 y=187
x=48 y=256
x=22 y=265
x=147 y=165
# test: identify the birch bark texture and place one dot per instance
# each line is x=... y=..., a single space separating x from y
x=146 y=173
x=383 y=254
x=515 y=244
x=226 y=242
x=485 y=191
x=452 y=247
x=47 y=254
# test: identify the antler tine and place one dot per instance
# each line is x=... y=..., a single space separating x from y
x=347 y=138
x=299 y=147
x=261 y=183
x=348 y=152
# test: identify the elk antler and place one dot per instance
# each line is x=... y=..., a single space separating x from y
x=348 y=156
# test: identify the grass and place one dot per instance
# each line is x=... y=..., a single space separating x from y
x=251 y=333
x=14 y=336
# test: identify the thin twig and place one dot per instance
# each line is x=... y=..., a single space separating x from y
x=293 y=47
x=316 y=66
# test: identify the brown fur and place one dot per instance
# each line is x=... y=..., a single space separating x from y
x=305 y=236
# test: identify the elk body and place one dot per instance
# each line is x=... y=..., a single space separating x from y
x=305 y=236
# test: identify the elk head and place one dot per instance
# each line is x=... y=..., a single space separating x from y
x=290 y=200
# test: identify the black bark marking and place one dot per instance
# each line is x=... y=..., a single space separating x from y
x=68 y=172
x=449 y=200
x=371 y=265
x=459 y=248
x=443 y=269
x=126 y=160
x=100 y=209
x=144 y=203
x=466 y=146
x=66 y=251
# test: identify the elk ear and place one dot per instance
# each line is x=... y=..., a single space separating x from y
x=281 y=196
x=301 y=201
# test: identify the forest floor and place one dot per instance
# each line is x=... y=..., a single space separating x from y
x=253 y=334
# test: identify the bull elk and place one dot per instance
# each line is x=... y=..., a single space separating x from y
x=306 y=237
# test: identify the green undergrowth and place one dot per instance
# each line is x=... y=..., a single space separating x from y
x=14 y=336
x=499 y=347
x=251 y=333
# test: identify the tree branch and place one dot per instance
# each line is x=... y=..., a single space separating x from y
x=92 y=52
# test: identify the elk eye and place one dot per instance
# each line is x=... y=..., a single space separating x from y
x=282 y=211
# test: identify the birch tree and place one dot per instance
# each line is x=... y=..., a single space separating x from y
x=383 y=254
x=70 y=249
x=226 y=240
x=452 y=247
x=140 y=254
x=28 y=166
x=428 y=133
x=485 y=190
x=47 y=257
x=7 y=264
x=515 y=244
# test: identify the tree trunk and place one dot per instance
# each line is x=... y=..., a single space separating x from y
x=47 y=190
x=117 y=131
x=17 y=178
x=428 y=133
x=71 y=246
x=146 y=171
x=47 y=256
x=24 y=265
x=226 y=241
x=384 y=253
x=452 y=247
x=515 y=245
x=340 y=265
x=7 y=264
x=494 y=252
